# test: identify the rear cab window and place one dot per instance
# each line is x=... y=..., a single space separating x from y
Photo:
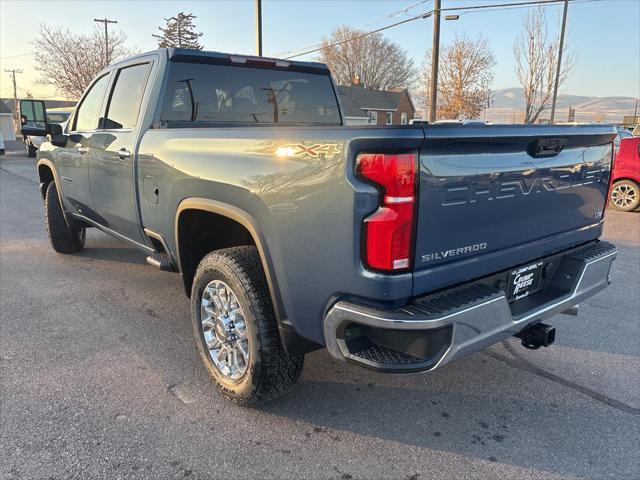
x=223 y=94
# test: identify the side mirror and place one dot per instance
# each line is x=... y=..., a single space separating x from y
x=33 y=118
x=56 y=135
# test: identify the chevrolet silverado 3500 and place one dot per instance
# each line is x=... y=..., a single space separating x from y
x=398 y=248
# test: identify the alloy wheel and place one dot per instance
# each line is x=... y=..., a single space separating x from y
x=224 y=330
x=624 y=195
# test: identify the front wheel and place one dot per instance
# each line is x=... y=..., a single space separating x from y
x=625 y=195
x=236 y=330
x=63 y=238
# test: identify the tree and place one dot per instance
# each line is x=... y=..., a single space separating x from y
x=69 y=61
x=179 y=32
x=465 y=74
x=373 y=60
x=536 y=63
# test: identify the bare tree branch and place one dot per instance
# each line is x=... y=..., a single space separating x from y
x=376 y=61
x=465 y=74
x=536 y=62
x=69 y=61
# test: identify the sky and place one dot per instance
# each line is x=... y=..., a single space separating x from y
x=604 y=34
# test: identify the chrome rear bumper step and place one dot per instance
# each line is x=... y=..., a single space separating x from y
x=440 y=328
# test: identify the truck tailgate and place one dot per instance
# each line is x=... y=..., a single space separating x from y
x=494 y=197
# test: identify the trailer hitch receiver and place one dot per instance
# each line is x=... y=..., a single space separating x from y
x=537 y=335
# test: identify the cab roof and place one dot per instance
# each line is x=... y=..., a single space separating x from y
x=210 y=57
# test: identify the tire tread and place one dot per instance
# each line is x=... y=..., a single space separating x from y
x=278 y=370
x=62 y=238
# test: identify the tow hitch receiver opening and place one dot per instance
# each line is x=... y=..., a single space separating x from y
x=538 y=335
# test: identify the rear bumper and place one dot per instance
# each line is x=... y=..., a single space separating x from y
x=440 y=328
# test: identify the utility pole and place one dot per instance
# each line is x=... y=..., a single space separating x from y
x=106 y=37
x=555 y=87
x=435 y=56
x=259 y=27
x=16 y=116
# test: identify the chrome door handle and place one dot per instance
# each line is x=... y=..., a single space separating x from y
x=124 y=153
x=83 y=149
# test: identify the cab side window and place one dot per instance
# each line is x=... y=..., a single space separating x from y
x=126 y=97
x=88 y=114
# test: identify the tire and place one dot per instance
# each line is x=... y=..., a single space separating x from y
x=269 y=370
x=63 y=239
x=625 y=195
x=31 y=150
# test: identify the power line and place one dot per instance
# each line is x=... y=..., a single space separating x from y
x=393 y=14
x=396 y=13
x=16 y=56
x=320 y=46
x=514 y=6
x=364 y=34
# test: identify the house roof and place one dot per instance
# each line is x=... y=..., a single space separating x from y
x=4 y=108
x=350 y=108
x=369 y=99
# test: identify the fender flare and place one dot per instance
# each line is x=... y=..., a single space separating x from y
x=243 y=218
x=46 y=162
x=43 y=191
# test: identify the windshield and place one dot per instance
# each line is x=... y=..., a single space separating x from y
x=227 y=94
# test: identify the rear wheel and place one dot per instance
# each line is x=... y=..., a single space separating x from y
x=236 y=330
x=625 y=195
x=63 y=238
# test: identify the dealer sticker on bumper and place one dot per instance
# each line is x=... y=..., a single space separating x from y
x=524 y=281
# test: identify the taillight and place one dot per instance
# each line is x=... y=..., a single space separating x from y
x=388 y=231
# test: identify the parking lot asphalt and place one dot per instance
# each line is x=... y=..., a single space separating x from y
x=99 y=378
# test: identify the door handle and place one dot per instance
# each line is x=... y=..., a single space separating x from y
x=83 y=150
x=124 y=153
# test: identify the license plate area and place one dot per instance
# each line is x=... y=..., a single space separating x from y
x=524 y=281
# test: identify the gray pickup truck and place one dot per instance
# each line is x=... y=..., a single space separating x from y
x=399 y=249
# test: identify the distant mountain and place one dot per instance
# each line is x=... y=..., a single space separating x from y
x=508 y=104
x=514 y=98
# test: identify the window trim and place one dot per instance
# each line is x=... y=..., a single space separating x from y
x=389 y=118
x=404 y=118
x=112 y=88
x=74 y=121
x=373 y=117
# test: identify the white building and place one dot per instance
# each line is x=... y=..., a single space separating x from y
x=7 y=129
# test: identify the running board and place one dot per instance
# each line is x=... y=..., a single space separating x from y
x=162 y=261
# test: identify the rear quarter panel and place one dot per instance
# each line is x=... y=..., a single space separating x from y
x=297 y=186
